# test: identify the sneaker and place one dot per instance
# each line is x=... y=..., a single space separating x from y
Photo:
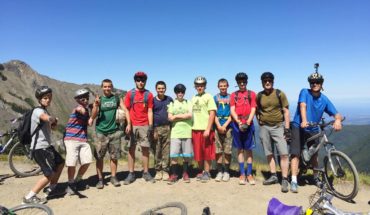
x=293 y=187
x=34 y=200
x=284 y=186
x=81 y=185
x=272 y=180
x=242 y=180
x=199 y=176
x=71 y=189
x=148 y=178
x=53 y=192
x=251 y=180
x=185 y=177
x=226 y=177
x=158 y=176
x=165 y=176
x=172 y=179
x=219 y=177
x=100 y=184
x=205 y=177
x=129 y=179
x=114 y=181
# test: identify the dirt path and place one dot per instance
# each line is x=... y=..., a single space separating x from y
x=221 y=197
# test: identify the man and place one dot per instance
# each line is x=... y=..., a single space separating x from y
x=162 y=131
x=204 y=110
x=243 y=109
x=311 y=106
x=139 y=102
x=273 y=118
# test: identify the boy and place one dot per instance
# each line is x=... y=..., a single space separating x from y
x=46 y=157
x=75 y=139
x=180 y=114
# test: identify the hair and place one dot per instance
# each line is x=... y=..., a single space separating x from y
x=106 y=81
x=160 y=83
x=222 y=80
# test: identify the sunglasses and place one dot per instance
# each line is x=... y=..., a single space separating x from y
x=198 y=86
x=241 y=82
x=267 y=80
x=84 y=99
x=315 y=82
x=140 y=80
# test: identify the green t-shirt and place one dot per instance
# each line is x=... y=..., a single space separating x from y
x=180 y=128
x=270 y=111
x=106 y=122
x=202 y=104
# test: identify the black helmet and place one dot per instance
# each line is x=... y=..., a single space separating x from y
x=241 y=76
x=140 y=75
x=41 y=91
x=315 y=77
x=200 y=80
x=267 y=75
x=81 y=93
x=179 y=88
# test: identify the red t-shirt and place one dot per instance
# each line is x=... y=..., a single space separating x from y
x=139 y=110
x=242 y=106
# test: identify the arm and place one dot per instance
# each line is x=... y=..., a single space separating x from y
x=303 y=110
x=95 y=109
x=251 y=115
x=234 y=116
x=150 y=116
x=338 y=122
x=47 y=118
x=286 y=117
x=211 y=119
x=127 y=114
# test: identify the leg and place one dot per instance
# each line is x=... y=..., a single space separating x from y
x=99 y=168
x=113 y=167
x=145 y=159
x=71 y=173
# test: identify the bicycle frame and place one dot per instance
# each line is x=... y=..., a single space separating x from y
x=10 y=141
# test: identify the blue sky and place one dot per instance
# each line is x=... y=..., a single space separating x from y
x=176 y=40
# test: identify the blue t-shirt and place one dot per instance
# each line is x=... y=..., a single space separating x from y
x=315 y=108
x=223 y=107
x=160 y=113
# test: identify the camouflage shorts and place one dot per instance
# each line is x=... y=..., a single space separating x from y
x=108 y=142
x=224 y=142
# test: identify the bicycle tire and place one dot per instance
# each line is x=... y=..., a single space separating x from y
x=346 y=184
x=20 y=162
x=178 y=205
x=34 y=209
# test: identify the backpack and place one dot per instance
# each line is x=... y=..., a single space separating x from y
x=224 y=100
x=24 y=128
x=245 y=98
x=132 y=101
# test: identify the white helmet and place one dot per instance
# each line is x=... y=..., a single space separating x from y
x=81 y=93
x=200 y=80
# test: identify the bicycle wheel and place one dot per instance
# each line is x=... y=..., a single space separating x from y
x=32 y=209
x=341 y=175
x=20 y=162
x=177 y=205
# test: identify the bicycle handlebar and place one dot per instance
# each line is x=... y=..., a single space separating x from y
x=323 y=124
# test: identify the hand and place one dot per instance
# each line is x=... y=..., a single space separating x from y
x=150 y=131
x=287 y=134
x=243 y=127
x=53 y=122
x=97 y=100
x=337 y=125
x=90 y=122
x=206 y=133
x=128 y=129
x=304 y=124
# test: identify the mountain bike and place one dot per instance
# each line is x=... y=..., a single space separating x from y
x=341 y=175
x=36 y=209
x=19 y=156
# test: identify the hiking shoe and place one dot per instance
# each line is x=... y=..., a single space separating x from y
x=205 y=177
x=199 y=176
x=272 y=180
x=100 y=184
x=165 y=176
x=34 y=200
x=53 y=192
x=148 y=178
x=284 y=186
x=114 y=181
x=219 y=177
x=226 y=177
x=242 y=180
x=251 y=180
x=185 y=177
x=71 y=189
x=81 y=185
x=172 y=179
x=158 y=176
x=129 y=179
x=293 y=187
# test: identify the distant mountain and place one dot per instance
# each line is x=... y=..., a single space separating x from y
x=18 y=82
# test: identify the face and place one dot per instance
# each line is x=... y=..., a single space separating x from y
x=107 y=88
x=200 y=88
x=161 y=89
x=222 y=86
x=180 y=96
x=84 y=101
x=140 y=83
x=315 y=86
x=46 y=100
x=267 y=83
x=242 y=84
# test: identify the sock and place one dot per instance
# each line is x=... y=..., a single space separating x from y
x=185 y=166
x=249 y=168
x=30 y=195
x=294 y=178
x=78 y=178
x=219 y=167
x=71 y=181
x=285 y=178
x=241 y=168
x=52 y=186
x=227 y=167
x=274 y=174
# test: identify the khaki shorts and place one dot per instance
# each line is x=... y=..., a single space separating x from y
x=223 y=142
x=139 y=136
x=105 y=142
x=77 y=151
x=272 y=136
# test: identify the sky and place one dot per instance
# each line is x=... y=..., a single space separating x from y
x=176 y=40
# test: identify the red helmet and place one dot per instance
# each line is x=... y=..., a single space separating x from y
x=140 y=75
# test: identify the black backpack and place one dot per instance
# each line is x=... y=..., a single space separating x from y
x=24 y=128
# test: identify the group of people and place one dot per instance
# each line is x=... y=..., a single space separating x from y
x=204 y=129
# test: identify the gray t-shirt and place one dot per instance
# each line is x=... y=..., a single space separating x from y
x=43 y=140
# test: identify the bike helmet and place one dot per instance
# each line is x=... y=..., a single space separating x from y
x=241 y=76
x=140 y=75
x=315 y=77
x=200 y=80
x=179 y=88
x=81 y=93
x=41 y=91
x=267 y=75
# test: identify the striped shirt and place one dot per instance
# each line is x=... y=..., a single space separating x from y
x=76 y=128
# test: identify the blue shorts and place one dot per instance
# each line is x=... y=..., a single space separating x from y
x=243 y=140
